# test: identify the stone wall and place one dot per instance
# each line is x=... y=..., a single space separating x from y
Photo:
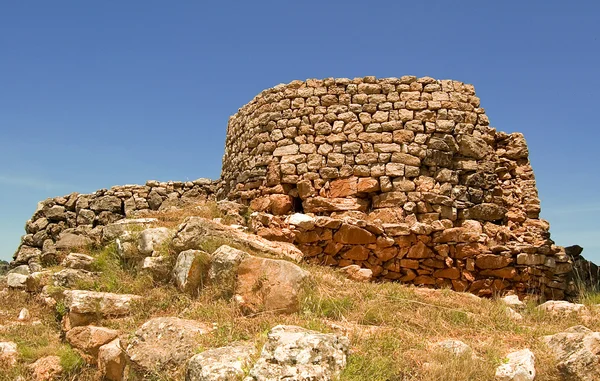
x=415 y=157
x=71 y=221
x=403 y=176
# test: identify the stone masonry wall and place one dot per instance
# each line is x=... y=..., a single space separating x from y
x=449 y=199
x=403 y=176
x=70 y=221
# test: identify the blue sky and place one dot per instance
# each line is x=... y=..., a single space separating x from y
x=95 y=94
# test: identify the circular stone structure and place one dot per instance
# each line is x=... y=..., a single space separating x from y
x=412 y=154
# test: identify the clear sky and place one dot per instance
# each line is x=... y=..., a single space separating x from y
x=95 y=94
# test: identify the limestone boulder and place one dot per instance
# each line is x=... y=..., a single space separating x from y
x=358 y=274
x=297 y=354
x=16 y=281
x=222 y=273
x=302 y=221
x=8 y=353
x=519 y=366
x=157 y=267
x=196 y=230
x=454 y=347
x=153 y=239
x=71 y=240
x=557 y=307
x=577 y=352
x=78 y=261
x=89 y=339
x=221 y=364
x=46 y=369
x=71 y=278
x=25 y=253
x=269 y=285
x=165 y=342
x=190 y=272
x=36 y=281
x=112 y=361
x=513 y=301
x=86 y=306
x=118 y=228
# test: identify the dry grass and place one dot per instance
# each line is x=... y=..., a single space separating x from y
x=172 y=218
x=391 y=326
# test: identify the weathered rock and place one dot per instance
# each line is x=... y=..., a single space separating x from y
x=513 y=301
x=577 y=352
x=152 y=239
x=358 y=274
x=86 y=306
x=71 y=278
x=112 y=360
x=556 y=307
x=485 y=212
x=322 y=204
x=47 y=368
x=222 y=273
x=195 y=230
x=297 y=354
x=269 y=285
x=24 y=315
x=78 y=261
x=70 y=241
x=471 y=146
x=89 y=339
x=165 y=342
x=25 y=253
x=454 y=347
x=191 y=270
x=118 y=228
x=8 y=353
x=221 y=364
x=15 y=280
x=354 y=235
x=157 y=267
x=302 y=221
x=520 y=366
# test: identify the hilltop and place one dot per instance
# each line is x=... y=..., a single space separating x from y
x=156 y=295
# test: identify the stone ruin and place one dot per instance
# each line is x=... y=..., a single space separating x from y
x=403 y=176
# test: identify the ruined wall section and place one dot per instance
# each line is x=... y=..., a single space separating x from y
x=73 y=220
x=415 y=157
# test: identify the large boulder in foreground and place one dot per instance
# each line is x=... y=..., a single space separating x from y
x=221 y=364
x=269 y=285
x=165 y=342
x=297 y=354
x=577 y=352
x=194 y=231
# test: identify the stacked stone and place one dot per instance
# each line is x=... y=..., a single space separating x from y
x=407 y=150
x=465 y=258
x=70 y=221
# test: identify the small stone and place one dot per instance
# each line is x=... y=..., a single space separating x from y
x=24 y=315
x=358 y=274
x=520 y=366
